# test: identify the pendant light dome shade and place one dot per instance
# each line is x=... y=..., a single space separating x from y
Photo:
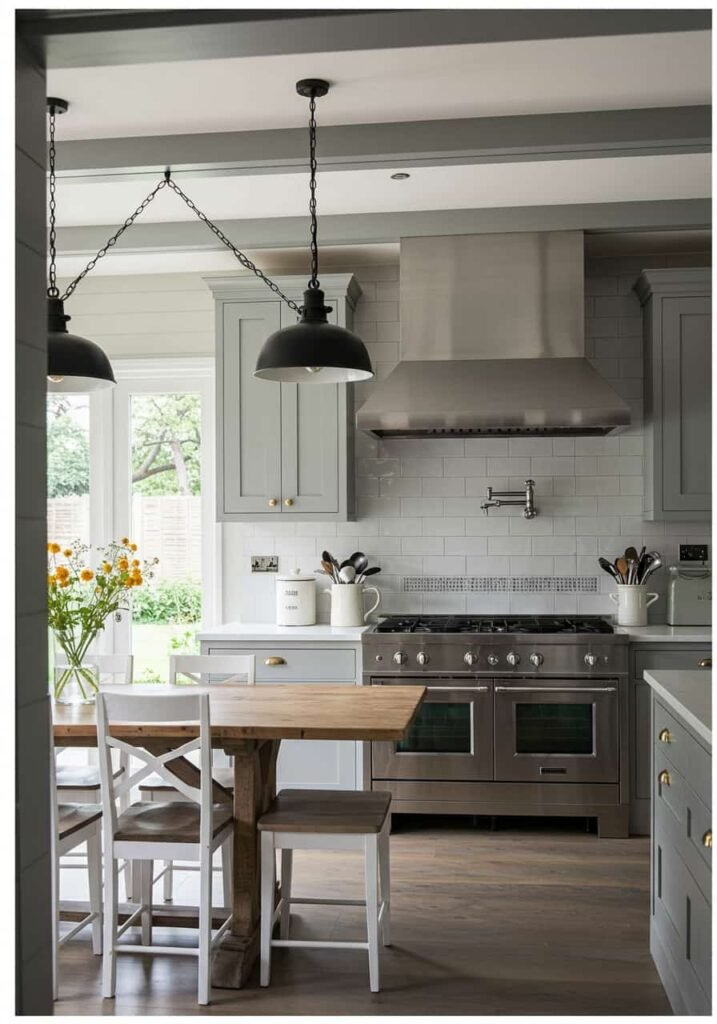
x=74 y=364
x=313 y=349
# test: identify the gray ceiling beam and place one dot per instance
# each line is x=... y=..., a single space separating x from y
x=348 y=229
x=588 y=134
x=96 y=38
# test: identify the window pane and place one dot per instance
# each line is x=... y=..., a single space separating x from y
x=166 y=524
x=68 y=469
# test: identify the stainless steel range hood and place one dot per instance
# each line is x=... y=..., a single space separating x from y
x=492 y=330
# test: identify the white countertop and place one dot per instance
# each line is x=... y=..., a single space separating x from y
x=258 y=631
x=689 y=695
x=667 y=634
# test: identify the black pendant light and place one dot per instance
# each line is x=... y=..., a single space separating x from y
x=73 y=363
x=313 y=349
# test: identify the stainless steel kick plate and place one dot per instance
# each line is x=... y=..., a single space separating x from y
x=264 y=563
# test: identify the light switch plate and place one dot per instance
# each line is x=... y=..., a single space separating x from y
x=264 y=563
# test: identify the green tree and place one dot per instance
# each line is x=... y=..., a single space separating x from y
x=68 y=452
x=166 y=443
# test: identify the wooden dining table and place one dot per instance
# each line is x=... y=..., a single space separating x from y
x=249 y=723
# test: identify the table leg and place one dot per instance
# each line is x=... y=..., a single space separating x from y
x=254 y=789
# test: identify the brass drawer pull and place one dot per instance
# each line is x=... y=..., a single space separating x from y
x=288 y=502
x=272 y=503
x=665 y=736
x=274 y=661
x=705 y=663
x=664 y=778
x=707 y=839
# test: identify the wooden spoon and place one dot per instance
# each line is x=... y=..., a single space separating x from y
x=621 y=566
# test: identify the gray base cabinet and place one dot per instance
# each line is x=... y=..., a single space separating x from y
x=642 y=657
x=681 y=863
x=283 y=450
x=678 y=341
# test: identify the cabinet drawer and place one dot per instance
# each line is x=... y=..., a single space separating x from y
x=298 y=665
x=683 y=751
x=689 y=658
x=683 y=820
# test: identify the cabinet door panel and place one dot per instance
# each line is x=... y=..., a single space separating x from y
x=249 y=411
x=686 y=403
x=310 y=442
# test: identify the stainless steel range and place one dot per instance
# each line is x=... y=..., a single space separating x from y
x=523 y=716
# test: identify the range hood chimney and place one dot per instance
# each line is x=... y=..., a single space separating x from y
x=492 y=342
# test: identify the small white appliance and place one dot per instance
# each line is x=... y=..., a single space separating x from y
x=295 y=599
x=689 y=596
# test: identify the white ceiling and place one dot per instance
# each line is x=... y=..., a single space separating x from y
x=424 y=83
x=538 y=183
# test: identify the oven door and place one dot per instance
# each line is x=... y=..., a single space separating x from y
x=451 y=736
x=557 y=731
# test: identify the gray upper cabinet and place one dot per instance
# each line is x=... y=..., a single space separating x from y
x=677 y=331
x=282 y=449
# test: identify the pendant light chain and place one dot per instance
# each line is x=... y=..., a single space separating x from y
x=314 y=282
x=52 y=290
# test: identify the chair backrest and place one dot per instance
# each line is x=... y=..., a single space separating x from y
x=116 y=669
x=235 y=668
x=127 y=709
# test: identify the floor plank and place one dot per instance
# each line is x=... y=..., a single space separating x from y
x=523 y=920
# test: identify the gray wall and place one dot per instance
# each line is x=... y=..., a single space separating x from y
x=32 y=794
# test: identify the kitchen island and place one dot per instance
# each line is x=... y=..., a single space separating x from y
x=681 y=848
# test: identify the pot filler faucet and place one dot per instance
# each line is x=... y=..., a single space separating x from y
x=498 y=498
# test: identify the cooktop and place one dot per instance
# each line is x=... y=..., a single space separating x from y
x=489 y=624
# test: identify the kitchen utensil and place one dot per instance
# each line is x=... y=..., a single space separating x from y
x=655 y=564
x=632 y=602
x=359 y=561
x=608 y=567
x=632 y=568
x=630 y=554
x=347 y=574
x=621 y=566
x=347 y=604
x=368 y=572
x=328 y=557
x=329 y=569
x=295 y=599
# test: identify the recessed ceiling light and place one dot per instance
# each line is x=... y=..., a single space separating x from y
x=400 y=176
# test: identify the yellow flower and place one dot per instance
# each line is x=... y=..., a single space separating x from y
x=67 y=552
x=135 y=562
x=52 y=579
x=53 y=548
x=123 y=564
x=130 y=582
x=64 y=583
x=86 y=575
x=106 y=567
x=133 y=547
x=62 y=573
x=125 y=541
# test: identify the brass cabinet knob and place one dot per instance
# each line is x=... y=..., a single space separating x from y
x=707 y=839
x=664 y=778
x=273 y=502
x=705 y=663
x=274 y=661
x=665 y=736
x=288 y=502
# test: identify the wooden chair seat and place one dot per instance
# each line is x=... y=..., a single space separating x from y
x=156 y=784
x=81 y=776
x=72 y=817
x=175 y=821
x=326 y=811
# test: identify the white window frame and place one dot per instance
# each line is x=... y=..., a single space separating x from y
x=110 y=483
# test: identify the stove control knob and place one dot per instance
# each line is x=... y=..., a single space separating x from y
x=422 y=658
x=493 y=660
x=512 y=658
x=400 y=658
x=470 y=658
x=590 y=660
x=536 y=660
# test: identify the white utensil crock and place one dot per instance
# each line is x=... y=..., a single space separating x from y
x=347 y=606
x=295 y=600
x=632 y=600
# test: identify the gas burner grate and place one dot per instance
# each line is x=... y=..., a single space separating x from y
x=512 y=624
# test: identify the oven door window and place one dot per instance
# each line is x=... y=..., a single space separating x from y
x=440 y=728
x=554 y=728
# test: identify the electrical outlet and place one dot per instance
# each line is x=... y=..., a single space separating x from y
x=264 y=563
x=694 y=553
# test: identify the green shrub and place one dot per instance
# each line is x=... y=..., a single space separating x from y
x=171 y=601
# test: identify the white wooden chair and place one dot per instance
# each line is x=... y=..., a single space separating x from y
x=190 y=829
x=202 y=668
x=72 y=825
x=311 y=819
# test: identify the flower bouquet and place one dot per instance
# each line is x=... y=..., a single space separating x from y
x=80 y=600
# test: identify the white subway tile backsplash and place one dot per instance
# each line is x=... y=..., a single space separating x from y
x=444 y=527
x=464 y=467
x=420 y=546
x=597 y=485
x=467 y=545
x=512 y=546
x=500 y=466
x=539 y=566
x=411 y=466
x=402 y=527
x=553 y=466
x=401 y=486
x=530 y=446
x=446 y=486
x=421 y=506
x=487 y=526
x=453 y=565
x=492 y=446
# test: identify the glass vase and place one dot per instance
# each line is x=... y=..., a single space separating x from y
x=76 y=682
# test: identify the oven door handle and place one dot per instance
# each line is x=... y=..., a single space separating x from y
x=555 y=689
x=463 y=689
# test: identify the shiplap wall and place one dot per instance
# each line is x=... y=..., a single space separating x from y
x=419 y=500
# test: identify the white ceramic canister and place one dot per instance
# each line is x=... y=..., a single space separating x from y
x=347 y=603
x=632 y=600
x=295 y=599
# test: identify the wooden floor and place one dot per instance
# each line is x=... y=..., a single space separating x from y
x=523 y=920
